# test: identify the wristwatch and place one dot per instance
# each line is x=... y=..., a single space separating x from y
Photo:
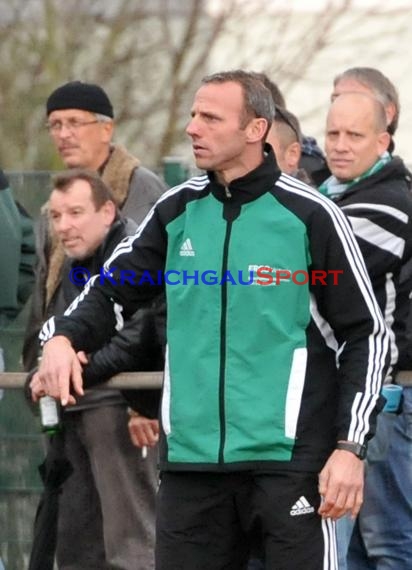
x=358 y=449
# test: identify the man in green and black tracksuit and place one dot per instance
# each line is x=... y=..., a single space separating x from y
x=276 y=347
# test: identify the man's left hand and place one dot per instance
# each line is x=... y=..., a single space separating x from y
x=36 y=388
x=341 y=485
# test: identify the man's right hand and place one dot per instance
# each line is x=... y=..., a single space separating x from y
x=143 y=431
x=59 y=368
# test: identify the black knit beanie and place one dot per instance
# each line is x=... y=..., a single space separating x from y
x=79 y=95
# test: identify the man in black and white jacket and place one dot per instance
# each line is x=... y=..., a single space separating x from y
x=107 y=504
x=373 y=189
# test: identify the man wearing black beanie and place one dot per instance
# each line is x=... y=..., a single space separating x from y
x=79 y=95
x=80 y=122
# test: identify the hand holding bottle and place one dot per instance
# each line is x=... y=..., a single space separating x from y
x=36 y=387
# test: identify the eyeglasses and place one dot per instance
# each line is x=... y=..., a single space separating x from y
x=72 y=125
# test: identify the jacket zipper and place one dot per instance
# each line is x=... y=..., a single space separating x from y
x=223 y=326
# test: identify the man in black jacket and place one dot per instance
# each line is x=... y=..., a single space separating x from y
x=106 y=509
x=373 y=189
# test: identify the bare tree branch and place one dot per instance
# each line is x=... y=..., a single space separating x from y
x=149 y=56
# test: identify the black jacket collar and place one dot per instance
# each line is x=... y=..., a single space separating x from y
x=121 y=228
x=395 y=169
x=252 y=185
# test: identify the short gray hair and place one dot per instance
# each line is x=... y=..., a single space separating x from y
x=103 y=118
x=382 y=88
x=258 y=101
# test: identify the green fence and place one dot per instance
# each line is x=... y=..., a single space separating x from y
x=21 y=451
x=31 y=189
x=21 y=444
x=175 y=170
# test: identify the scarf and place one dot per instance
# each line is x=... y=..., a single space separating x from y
x=333 y=188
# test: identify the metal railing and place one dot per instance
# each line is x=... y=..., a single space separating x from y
x=121 y=381
x=142 y=380
x=404 y=378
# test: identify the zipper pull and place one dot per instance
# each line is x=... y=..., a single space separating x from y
x=227 y=192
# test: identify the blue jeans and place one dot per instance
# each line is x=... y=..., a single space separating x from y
x=346 y=526
x=344 y=530
x=382 y=538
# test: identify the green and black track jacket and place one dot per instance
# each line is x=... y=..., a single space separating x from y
x=260 y=374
